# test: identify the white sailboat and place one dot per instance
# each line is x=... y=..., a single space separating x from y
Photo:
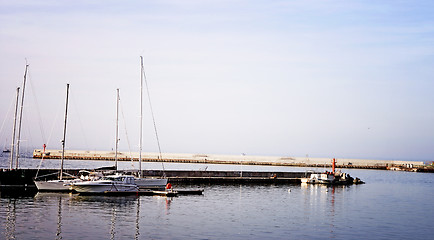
x=111 y=183
x=60 y=184
x=146 y=182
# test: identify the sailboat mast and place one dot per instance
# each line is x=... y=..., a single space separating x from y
x=117 y=129
x=21 y=117
x=13 y=131
x=64 y=132
x=141 y=116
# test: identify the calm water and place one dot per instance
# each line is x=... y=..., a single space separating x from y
x=391 y=205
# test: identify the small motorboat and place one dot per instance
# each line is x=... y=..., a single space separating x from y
x=333 y=177
x=322 y=178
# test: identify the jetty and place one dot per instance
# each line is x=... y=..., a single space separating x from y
x=23 y=178
x=233 y=159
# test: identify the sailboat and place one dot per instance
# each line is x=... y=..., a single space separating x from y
x=59 y=184
x=146 y=182
x=6 y=150
x=112 y=183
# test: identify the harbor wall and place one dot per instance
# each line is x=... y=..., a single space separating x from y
x=228 y=159
x=23 y=178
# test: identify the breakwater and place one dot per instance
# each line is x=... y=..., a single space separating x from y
x=234 y=159
x=23 y=178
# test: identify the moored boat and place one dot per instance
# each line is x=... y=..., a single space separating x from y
x=55 y=185
x=58 y=184
x=151 y=183
x=323 y=178
x=333 y=177
x=141 y=181
x=111 y=183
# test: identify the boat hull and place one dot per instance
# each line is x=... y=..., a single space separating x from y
x=92 y=187
x=53 y=186
x=151 y=183
x=322 y=178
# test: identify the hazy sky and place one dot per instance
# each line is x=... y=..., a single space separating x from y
x=328 y=78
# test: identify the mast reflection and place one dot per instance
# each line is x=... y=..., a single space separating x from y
x=10 y=219
x=59 y=219
x=137 y=233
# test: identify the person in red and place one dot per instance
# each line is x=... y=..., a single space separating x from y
x=169 y=187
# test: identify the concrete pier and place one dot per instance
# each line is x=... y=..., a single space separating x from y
x=231 y=159
x=23 y=178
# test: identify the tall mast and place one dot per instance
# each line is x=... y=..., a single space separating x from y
x=141 y=116
x=64 y=132
x=21 y=117
x=13 y=131
x=117 y=129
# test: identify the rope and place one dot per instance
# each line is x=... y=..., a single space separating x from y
x=49 y=139
x=41 y=128
x=53 y=125
x=46 y=175
x=79 y=120
x=153 y=120
x=126 y=132
x=40 y=163
x=55 y=173
x=7 y=114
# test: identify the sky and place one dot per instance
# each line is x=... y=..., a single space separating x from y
x=330 y=78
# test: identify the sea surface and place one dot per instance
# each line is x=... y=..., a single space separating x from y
x=391 y=205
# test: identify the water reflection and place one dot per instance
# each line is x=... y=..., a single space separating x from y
x=137 y=233
x=59 y=219
x=10 y=219
x=113 y=224
x=316 y=197
x=168 y=201
x=107 y=201
x=17 y=192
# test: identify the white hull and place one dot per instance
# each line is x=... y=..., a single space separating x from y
x=321 y=178
x=101 y=188
x=53 y=185
x=151 y=183
x=116 y=183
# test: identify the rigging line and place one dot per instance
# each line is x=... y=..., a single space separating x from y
x=41 y=128
x=74 y=104
x=153 y=119
x=7 y=114
x=126 y=132
x=27 y=133
x=40 y=162
x=53 y=124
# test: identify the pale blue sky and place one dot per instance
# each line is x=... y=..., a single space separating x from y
x=349 y=79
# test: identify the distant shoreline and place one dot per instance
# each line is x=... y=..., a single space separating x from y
x=233 y=159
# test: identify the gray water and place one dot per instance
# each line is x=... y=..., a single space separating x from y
x=391 y=205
